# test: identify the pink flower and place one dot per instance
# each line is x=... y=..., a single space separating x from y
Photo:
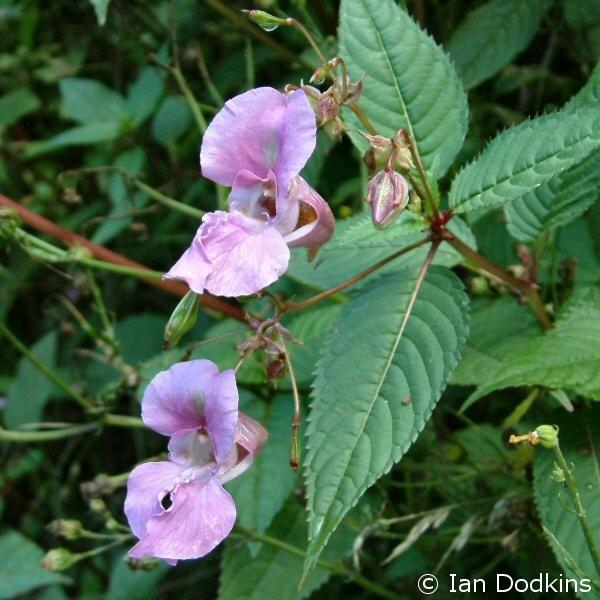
x=178 y=508
x=257 y=144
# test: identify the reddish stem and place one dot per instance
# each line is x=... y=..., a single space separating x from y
x=55 y=231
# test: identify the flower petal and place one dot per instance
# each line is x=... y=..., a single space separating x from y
x=249 y=194
x=201 y=517
x=316 y=222
x=191 y=448
x=221 y=412
x=193 y=266
x=246 y=254
x=258 y=131
x=175 y=398
x=146 y=486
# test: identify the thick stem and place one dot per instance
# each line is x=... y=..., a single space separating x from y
x=53 y=230
x=499 y=274
x=50 y=435
x=573 y=490
x=335 y=568
x=55 y=378
x=296 y=306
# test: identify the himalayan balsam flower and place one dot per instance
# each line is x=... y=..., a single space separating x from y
x=257 y=144
x=178 y=508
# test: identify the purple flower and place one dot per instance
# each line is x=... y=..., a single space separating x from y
x=178 y=508
x=257 y=144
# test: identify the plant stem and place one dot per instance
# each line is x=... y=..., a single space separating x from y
x=573 y=490
x=295 y=445
x=496 y=272
x=362 y=117
x=70 y=238
x=122 y=421
x=299 y=25
x=55 y=378
x=416 y=156
x=335 y=568
x=171 y=203
x=9 y=435
x=296 y=306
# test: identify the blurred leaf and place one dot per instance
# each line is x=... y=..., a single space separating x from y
x=579 y=440
x=130 y=584
x=261 y=491
x=89 y=101
x=411 y=82
x=565 y=357
x=363 y=420
x=31 y=389
x=492 y=35
x=524 y=157
x=140 y=336
x=20 y=569
x=496 y=328
x=84 y=135
x=16 y=104
x=101 y=8
x=171 y=121
x=273 y=570
x=145 y=93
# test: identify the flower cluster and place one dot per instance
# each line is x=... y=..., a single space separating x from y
x=178 y=508
x=257 y=145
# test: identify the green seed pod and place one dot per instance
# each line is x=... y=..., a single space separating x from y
x=547 y=435
x=58 y=559
x=265 y=20
x=182 y=319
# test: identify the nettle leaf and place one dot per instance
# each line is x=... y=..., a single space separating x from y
x=566 y=357
x=272 y=568
x=356 y=245
x=492 y=35
x=524 y=157
x=555 y=203
x=410 y=82
x=262 y=490
x=579 y=439
x=16 y=104
x=364 y=419
x=496 y=327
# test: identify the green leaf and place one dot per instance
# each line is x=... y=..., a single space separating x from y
x=356 y=245
x=145 y=93
x=496 y=328
x=129 y=584
x=364 y=419
x=261 y=491
x=84 y=135
x=566 y=357
x=410 y=81
x=31 y=389
x=101 y=8
x=89 y=101
x=17 y=104
x=273 y=569
x=579 y=439
x=555 y=203
x=524 y=157
x=492 y=35
x=20 y=570
x=171 y=121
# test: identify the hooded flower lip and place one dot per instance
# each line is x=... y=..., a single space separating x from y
x=257 y=144
x=178 y=508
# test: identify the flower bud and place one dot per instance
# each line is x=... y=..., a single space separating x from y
x=387 y=195
x=265 y=20
x=182 y=320
x=58 y=559
x=328 y=108
x=69 y=529
x=547 y=435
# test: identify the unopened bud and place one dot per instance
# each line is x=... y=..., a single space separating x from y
x=558 y=474
x=275 y=368
x=387 y=195
x=142 y=564
x=328 y=108
x=182 y=319
x=547 y=435
x=69 y=529
x=265 y=20
x=58 y=559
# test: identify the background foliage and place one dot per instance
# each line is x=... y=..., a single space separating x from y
x=82 y=87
